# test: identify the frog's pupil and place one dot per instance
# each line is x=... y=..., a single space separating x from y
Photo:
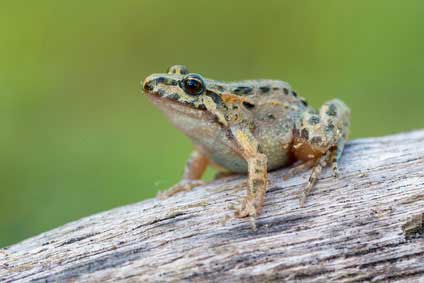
x=193 y=85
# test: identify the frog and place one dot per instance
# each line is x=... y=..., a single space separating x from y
x=249 y=127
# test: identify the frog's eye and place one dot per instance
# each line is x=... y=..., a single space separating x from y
x=193 y=84
x=178 y=69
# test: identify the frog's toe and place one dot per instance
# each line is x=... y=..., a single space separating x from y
x=246 y=212
x=247 y=208
x=182 y=186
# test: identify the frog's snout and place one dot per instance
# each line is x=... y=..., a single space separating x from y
x=160 y=84
x=148 y=85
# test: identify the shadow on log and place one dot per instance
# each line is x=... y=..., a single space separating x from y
x=367 y=225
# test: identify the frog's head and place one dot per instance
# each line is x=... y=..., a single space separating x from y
x=178 y=85
x=184 y=93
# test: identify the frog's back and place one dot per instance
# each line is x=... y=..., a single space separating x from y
x=251 y=87
x=275 y=108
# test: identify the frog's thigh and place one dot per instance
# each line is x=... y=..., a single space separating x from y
x=195 y=165
x=326 y=131
x=322 y=138
x=335 y=119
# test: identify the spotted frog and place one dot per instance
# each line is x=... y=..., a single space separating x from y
x=248 y=127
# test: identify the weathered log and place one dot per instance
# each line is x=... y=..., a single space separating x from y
x=366 y=225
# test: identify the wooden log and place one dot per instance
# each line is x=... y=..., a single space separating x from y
x=366 y=225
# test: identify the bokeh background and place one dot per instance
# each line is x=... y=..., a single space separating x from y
x=77 y=137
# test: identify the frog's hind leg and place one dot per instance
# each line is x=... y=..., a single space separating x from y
x=321 y=137
x=336 y=121
x=194 y=169
x=335 y=156
x=316 y=171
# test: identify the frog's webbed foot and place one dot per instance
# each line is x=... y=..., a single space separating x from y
x=320 y=139
x=182 y=186
x=247 y=208
x=251 y=205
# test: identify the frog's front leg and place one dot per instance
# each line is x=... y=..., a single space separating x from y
x=252 y=204
x=320 y=138
x=194 y=169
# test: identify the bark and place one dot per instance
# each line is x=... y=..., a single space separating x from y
x=366 y=225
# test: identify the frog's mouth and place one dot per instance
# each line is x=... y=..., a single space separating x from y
x=174 y=108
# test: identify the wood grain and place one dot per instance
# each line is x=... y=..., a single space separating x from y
x=367 y=225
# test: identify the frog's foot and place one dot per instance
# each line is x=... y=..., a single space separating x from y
x=247 y=208
x=182 y=186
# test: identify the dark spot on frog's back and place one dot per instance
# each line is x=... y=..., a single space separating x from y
x=314 y=120
x=330 y=127
x=331 y=110
x=248 y=105
x=243 y=90
x=316 y=140
x=271 y=116
x=305 y=134
x=220 y=88
x=264 y=89
x=286 y=91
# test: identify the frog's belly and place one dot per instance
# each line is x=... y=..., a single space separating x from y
x=223 y=155
x=226 y=153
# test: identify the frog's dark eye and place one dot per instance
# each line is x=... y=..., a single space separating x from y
x=193 y=84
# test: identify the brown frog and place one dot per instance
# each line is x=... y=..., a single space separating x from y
x=248 y=127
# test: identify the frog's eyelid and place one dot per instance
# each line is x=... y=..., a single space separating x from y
x=178 y=69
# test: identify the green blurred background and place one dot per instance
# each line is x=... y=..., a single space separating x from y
x=76 y=135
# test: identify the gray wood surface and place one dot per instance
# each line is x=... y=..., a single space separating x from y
x=367 y=225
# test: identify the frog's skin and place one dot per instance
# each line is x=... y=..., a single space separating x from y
x=248 y=127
